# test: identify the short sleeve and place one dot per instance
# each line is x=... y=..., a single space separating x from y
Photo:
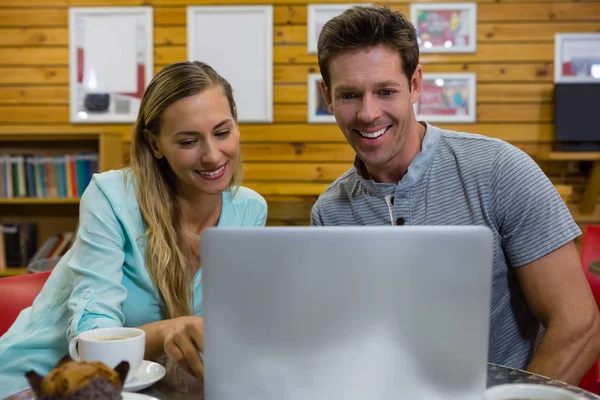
x=315 y=215
x=261 y=211
x=96 y=259
x=531 y=217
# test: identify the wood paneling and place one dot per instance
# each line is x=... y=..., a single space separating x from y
x=486 y=32
x=486 y=93
x=287 y=113
x=498 y=72
x=290 y=161
x=33 y=75
x=486 y=53
x=159 y=3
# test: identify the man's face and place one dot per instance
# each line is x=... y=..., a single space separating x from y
x=372 y=100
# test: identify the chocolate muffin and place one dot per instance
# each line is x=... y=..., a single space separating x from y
x=75 y=380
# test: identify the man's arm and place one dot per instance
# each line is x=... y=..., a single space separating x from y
x=558 y=294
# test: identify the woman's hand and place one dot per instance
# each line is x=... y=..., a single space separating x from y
x=183 y=340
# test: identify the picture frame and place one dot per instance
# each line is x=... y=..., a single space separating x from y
x=450 y=97
x=317 y=15
x=100 y=89
x=577 y=58
x=445 y=27
x=251 y=41
x=318 y=110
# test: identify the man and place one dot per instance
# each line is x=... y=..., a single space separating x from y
x=406 y=172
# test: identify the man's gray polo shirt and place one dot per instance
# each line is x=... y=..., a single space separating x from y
x=467 y=179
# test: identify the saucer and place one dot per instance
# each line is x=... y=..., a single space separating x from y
x=148 y=374
x=137 y=396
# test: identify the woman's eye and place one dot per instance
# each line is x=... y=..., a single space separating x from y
x=187 y=143
x=222 y=133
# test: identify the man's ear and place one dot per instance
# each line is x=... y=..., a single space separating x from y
x=326 y=95
x=153 y=142
x=416 y=84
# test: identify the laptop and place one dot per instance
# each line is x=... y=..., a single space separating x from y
x=348 y=313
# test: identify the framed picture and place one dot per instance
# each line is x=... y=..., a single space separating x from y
x=111 y=61
x=577 y=58
x=318 y=110
x=243 y=56
x=318 y=15
x=445 y=27
x=448 y=98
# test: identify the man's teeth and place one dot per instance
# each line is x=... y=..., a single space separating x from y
x=212 y=173
x=373 y=135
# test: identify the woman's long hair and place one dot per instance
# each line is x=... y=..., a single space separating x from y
x=167 y=250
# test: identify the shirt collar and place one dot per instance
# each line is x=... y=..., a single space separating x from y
x=416 y=169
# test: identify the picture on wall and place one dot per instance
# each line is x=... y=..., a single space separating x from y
x=448 y=98
x=318 y=110
x=445 y=27
x=111 y=62
x=577 y=58
x=237 y=41
x=318 y=15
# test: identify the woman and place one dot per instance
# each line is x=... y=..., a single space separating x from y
x=135 y=261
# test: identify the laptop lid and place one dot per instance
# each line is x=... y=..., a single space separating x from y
x=346 y=312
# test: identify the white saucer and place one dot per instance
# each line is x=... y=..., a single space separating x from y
x=137 y=396
x=148 y=374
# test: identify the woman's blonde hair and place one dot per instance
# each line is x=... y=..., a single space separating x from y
x=167 y=251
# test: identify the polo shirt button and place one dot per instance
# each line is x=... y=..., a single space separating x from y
x=87 y=295
x=400 y=221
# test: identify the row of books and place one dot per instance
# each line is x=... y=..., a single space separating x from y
x=19 y=245
x=47 y=176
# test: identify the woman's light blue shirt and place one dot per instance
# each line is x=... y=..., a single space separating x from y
x=102 y=281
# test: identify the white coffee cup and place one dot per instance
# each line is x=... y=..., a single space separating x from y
x=110 y=346
x=529 y=391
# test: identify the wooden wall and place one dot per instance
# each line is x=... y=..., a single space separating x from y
x=290 y=162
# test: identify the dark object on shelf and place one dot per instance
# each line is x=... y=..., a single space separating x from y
x=19 y=242
x=96 y=102
x=576 y=116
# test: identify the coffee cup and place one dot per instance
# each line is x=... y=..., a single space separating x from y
x=110 y=346
x=528 y=391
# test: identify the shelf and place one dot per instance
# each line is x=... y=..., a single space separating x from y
x=35 y=200
x=13 y=272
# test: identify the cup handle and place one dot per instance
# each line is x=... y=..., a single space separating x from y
x=73 y=349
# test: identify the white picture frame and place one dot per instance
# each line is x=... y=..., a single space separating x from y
x=452 y=34
x=317 y=15
x=318 y=110
x=584 y=49
x=102 y=90
x=243 y=55
x=440 y=89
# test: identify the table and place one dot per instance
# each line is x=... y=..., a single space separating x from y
x=178 y=385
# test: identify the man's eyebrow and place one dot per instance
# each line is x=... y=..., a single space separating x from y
x=390 y=82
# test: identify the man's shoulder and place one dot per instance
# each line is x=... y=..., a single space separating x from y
x=478 y=148
x=341 y=187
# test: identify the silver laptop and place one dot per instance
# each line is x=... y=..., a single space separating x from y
x=346 y=313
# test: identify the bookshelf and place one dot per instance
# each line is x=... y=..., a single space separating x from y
x=54 y=212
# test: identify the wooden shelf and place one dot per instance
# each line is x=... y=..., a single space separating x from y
x=35 y=200
x=13 y=272
x=568 y=156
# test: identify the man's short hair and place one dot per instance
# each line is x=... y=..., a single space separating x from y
x=361 y=27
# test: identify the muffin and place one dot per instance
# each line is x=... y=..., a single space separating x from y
x=75 y=380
